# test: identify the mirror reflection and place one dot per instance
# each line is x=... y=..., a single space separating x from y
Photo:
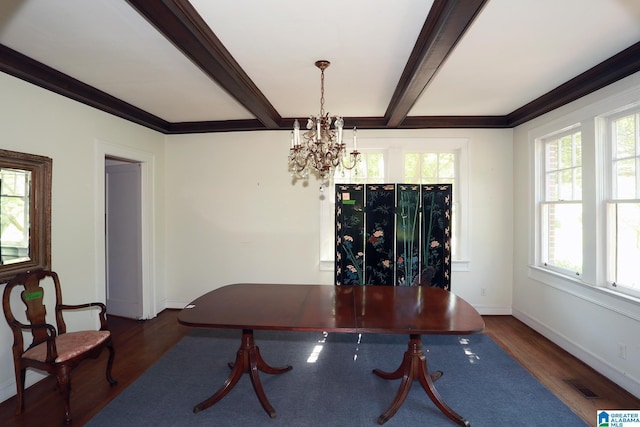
x=25 y=213
x=14 y=215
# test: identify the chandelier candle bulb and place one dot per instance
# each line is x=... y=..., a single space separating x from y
x=355 y=142
x=296 y=132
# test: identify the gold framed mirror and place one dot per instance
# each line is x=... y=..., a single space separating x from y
x=25 y=213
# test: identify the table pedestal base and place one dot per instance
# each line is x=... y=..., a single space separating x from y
x=414 y=367
x=248 y=359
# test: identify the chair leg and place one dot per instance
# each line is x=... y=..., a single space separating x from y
x=112 y=354
x=64 y=383
x=20 y=379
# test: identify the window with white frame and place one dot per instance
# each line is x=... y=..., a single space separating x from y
x=587 y=197
x=560 y=202
x=622 y=197
x=437 y=168
x=369 y=170
x=429 y=160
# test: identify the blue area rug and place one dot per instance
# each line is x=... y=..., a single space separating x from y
x=481 y=382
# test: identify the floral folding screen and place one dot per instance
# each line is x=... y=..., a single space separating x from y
x=393 y=234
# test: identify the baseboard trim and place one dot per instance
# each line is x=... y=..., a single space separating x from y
x=492 y=311
x=175 y=305
x=632 y=385
x=8 y=388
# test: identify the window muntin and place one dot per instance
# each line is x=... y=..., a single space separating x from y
x=609 y=197
x=384 y=162
x=560 y=211
x=369 y=170
x=418 y=167
x=563 y=168
x=623 y=201
x=626 y=157
x=430 y=168
x=437 y=168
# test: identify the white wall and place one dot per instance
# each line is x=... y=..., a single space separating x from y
x=234 y=215
x=37 y=121
x=588 y=322
x=218 y=223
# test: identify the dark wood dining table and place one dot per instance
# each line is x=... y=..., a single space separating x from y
x=415 y=311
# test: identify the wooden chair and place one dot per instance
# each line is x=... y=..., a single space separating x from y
x=53 y=349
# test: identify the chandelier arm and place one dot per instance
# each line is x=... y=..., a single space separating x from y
x=355 y=158
x=298 y=159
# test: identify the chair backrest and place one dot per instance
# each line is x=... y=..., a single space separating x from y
x=33 y=297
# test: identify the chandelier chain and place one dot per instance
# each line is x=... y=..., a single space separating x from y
x=322 y=93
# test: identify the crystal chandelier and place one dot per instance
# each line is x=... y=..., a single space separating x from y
x=320 y=150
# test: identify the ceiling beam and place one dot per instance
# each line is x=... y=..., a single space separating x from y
x=454 y=122
x=412 y=83
x=179 y=128
x=619 y=66
x=446 y=23
x=32 y=71
x=181 y=24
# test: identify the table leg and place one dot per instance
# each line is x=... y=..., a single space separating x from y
x=414 y=367
x=248 y=359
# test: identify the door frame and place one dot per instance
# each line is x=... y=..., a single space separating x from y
x=147 y=171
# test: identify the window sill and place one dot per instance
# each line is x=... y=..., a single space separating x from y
x=564 y=283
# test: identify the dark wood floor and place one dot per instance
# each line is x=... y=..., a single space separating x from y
x=140 y=343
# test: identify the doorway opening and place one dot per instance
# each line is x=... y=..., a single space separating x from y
x=123 y=237
x=106 y=151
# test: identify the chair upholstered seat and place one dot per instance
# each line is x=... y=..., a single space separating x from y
x=52 y=349
x=68 y=345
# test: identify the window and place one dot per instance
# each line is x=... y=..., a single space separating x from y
x=437 y=168
x=430 y=168
x=369 y=170
x=587 y=199
x=417 y=161
x=561 y=202
x=622 y=141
